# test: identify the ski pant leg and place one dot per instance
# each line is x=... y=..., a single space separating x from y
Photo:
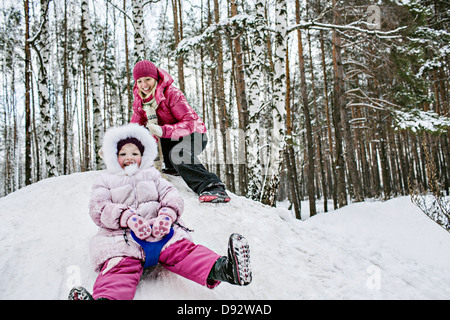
x=118 y=279
x=191 y=261
x=183 y=156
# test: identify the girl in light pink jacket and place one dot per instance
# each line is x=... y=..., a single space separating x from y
x=138 y=214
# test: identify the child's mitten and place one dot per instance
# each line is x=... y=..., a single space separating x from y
x=140 y=227
x=161 y=226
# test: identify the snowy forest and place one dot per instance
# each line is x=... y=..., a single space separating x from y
x=303 y=99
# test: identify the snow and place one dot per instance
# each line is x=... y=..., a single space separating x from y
x=418 y=120
x=369 y=250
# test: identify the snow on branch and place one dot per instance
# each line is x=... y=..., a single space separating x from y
x=413 y=119
x=247 y=20
x=329 y=26
x=240 y=20
x=419 y=120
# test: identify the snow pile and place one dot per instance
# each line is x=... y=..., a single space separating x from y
x=370 y=250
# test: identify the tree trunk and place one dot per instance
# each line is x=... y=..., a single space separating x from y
x=255 y=102
x=309 y=139
x=44 y=100
x=241 y=98
x=329 y=122
x=129 y=112
x=340 y=104
x=223 y=114
x=64 y=90
x=318 y=130
x=339 y=164
x=93 y=68
x=178 y=33
x=85 y=140
x=292 y=174
x=384 y=160
x=28 y=158
x=138 y=24
x=277 y=143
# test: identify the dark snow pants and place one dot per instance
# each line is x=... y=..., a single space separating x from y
x=182 y=155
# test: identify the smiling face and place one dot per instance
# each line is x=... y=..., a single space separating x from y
x=145 y=85
x=129 y=154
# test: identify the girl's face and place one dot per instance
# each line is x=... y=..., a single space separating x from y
x=145 y=84
x=129 y=154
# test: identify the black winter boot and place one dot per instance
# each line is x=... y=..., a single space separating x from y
x=235 y=268
x=214 y=194
x=79 y=293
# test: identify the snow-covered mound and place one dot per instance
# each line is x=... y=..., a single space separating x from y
x=370 y=250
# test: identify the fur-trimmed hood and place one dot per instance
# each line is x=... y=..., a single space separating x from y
x=133 y=130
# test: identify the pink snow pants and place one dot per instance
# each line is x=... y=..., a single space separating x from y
x=119 y=280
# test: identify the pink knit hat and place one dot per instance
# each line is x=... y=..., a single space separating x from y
x=145 y=68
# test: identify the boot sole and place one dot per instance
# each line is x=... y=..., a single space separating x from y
x=213 y=199
x=239 y=252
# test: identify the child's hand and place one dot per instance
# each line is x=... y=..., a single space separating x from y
x=140 y=227
x=161 y=226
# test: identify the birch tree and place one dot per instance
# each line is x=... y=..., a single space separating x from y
x=255 y=77
x=43 y=53
x=277 y=142
x=138 y=24
x=93 y=70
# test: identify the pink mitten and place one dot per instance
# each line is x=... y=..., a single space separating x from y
x=140 y=227
x=161 y=226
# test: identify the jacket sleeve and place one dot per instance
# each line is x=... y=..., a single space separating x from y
x=187 y=118
x=170 y=201
x=102 y=210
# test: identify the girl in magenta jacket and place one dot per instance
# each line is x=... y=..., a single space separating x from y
x=136 y=209
x=164 y=110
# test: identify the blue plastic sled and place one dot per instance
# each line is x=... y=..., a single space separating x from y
x=152 y=249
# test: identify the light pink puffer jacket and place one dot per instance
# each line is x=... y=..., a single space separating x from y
x=140 y=189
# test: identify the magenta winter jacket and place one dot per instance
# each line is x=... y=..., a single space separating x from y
x=175 y=116
x=116 y=190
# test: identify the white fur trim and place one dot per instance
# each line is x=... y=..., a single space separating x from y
x=133 y=130
x=131 y=169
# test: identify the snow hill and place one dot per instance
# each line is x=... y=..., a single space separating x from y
x=370 y=250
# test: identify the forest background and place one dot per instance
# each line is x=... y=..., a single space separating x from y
x=303 y=100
